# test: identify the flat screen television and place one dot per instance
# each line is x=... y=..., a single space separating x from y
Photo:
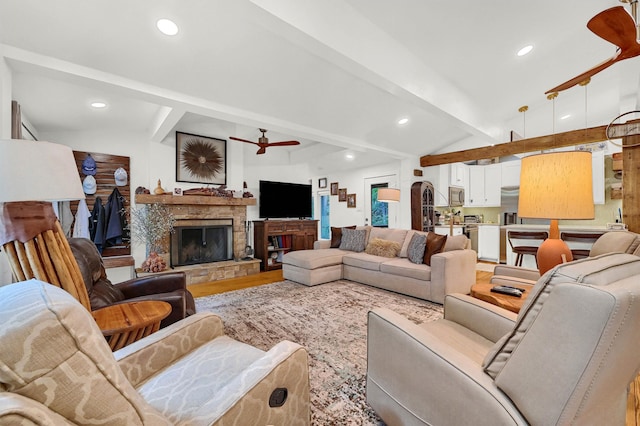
x=281 y=200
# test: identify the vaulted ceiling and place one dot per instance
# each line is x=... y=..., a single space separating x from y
x=335 y=74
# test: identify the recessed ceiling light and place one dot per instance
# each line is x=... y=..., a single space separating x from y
x=98 y=105
x=167 y=26
x=525 y=50
x=349 y=156
x=403 y=121
x=564 y=117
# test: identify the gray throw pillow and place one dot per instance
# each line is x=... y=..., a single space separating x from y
x=353 y=240
x=415 y=251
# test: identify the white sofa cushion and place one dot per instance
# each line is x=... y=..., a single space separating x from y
x=390 y=234
x=405 y=268
x=364 y=261
x=314 y=259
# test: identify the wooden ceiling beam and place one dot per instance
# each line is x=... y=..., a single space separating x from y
x=541 y=143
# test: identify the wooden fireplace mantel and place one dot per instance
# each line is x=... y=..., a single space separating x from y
x=197 y=200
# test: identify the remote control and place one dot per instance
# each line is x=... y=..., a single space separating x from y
x=505 y=289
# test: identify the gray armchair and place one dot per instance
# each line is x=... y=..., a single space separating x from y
x=609 y=242
x=567 y=358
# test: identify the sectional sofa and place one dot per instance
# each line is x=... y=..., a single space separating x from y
x=453 y=270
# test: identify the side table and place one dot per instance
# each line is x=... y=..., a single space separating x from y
x=125 y=323
x=483 y=291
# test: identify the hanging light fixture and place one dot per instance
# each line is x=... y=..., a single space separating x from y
x=523 y=109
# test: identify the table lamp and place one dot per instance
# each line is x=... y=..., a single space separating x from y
x=34 y=174
x=556 y=186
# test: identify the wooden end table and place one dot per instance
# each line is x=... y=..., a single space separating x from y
x=125 y=323
x=483 y=291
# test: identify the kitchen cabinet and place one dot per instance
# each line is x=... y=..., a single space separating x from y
x=597 y=166
x=444 y=230
x=484 y=186
x=457 y=174
x=489 y=243
x=444 y=176
x=511 y=173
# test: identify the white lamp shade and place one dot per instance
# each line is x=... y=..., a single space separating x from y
x=38 y=171
x=556 y=186
x=388 y=194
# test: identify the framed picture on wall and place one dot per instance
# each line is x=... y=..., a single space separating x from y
x=342 y=194
x=351 y=200
x=201 y=159
x=322 y=183
x=334 y=188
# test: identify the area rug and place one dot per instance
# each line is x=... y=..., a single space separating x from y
x=330 y=321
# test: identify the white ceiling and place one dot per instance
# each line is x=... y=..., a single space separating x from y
x=334 y=74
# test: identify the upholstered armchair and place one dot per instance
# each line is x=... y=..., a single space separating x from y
x=57 y=369
x=169 y=287
x=609 y=242
x=567 y=358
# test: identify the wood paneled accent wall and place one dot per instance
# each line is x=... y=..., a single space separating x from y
x=106 y=165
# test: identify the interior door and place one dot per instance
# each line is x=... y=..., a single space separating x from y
x=370 y=206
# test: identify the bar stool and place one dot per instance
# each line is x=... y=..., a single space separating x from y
x=580 y=238
x=521 y=250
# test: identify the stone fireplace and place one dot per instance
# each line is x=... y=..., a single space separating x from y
x=221 y=221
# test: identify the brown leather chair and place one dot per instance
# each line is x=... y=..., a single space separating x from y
x=170 y=287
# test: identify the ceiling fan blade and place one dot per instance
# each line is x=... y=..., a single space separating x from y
x=284 y=143
x=262 y=150
x=242 y=140
x=585 y=75
x=614 y=25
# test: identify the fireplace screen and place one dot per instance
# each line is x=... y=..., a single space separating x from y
x=202 y=241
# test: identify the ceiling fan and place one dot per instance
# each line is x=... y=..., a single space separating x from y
x=618 y=27
x=263 y=142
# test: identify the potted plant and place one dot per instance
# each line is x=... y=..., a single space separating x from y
x=150 y=225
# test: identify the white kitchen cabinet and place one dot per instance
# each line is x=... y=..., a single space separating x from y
x=597 y=162
x=484 y=186
x=511 y=173
x=442 y=177
x=458 y=174
x=444 y=230
x=489 y=243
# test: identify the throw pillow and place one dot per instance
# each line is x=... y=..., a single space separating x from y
x=384 y=248
x=435 y=244
x=417 y=246
x=353 y=239
x=336 y=235
x=455 y=242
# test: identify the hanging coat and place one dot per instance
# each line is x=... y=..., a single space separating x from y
x=97 y=225
x=115 y=219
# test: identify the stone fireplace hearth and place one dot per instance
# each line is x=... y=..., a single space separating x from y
x=197 y=209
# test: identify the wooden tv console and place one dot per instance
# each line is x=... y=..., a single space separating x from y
x=274 y=238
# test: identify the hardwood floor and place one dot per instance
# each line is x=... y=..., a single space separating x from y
x=221 y=286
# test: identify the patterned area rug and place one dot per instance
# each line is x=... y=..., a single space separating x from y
x=330 y=321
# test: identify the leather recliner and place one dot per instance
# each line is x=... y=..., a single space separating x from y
x=170 y=287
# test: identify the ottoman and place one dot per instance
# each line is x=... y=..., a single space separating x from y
x=313 y=267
